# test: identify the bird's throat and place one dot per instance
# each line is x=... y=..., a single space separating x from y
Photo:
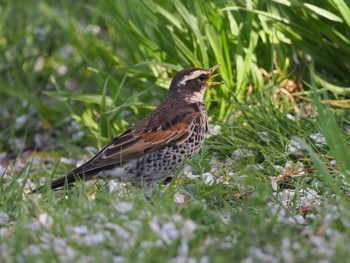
x=197 y=96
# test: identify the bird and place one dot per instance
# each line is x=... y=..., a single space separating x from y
x=154 y=148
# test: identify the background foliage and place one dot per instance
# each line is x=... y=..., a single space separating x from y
x=123 y=53
x=73 y=74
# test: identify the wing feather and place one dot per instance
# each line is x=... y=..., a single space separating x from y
x=133 y=144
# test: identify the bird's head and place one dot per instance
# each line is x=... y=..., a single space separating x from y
x=191 y=83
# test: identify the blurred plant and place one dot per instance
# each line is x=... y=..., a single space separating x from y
x=110 y=56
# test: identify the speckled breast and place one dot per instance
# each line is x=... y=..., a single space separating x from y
x=164 y=162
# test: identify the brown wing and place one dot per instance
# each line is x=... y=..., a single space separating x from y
x=135 y=142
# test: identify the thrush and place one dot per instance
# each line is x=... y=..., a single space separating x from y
x=154 y=148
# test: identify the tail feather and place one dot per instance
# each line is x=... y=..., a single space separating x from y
x=61 y=182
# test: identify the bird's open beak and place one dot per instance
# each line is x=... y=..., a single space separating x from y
x=212 y=83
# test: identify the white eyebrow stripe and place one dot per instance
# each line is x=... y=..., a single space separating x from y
x=193 y=75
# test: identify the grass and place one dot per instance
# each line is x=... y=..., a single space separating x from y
x=271 y=183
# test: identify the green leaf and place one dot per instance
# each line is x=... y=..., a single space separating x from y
x=322 y=12
x=86 y=98
x=344 y=10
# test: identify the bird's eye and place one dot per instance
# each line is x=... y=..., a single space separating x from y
x=203 y=77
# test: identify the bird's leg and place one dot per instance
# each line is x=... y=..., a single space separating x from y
x=149 y=188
